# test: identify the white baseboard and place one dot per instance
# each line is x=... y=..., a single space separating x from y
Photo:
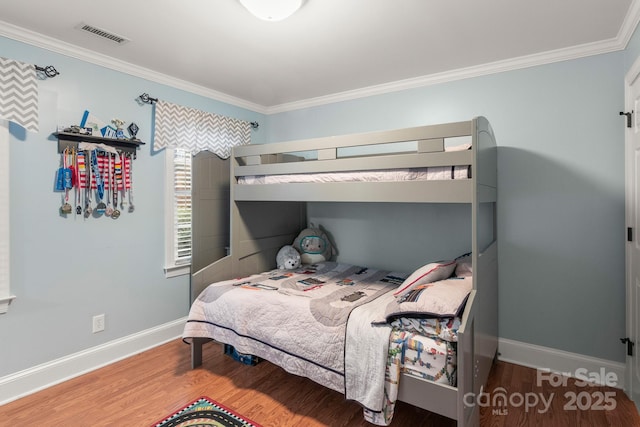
x=575 y=365
x=23 y=383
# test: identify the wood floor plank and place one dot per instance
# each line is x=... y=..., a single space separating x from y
x=142 y=389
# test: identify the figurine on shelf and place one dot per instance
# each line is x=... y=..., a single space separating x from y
x=78 y=130
x=133 y=130
x=118 y=123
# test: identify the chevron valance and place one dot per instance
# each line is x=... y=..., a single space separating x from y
x=19 y=93
x=194 y=130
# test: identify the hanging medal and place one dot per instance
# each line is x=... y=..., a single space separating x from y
x=66 y=183
x=100 y=207
x=116 y=178
x=108 y=188
x=71 y=164
x=131 y=207
x=76 y=183
x=82 y=179
x=122 y=183
x=87 y=193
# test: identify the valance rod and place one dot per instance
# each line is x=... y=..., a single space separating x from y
x=48 y=71
x=147 y=99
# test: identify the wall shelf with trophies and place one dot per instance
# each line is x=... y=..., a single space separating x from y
x=68 y=140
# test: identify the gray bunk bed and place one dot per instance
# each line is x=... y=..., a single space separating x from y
x=267 y=216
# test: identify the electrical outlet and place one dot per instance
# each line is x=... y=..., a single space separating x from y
x=98 y=323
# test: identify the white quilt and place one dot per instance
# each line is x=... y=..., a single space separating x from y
x=298 y=320
x=365 y=364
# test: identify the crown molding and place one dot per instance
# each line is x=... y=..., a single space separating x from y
x=630 y=23
x=512 y=64
x=39 y=40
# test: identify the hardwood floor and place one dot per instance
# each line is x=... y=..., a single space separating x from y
x=144 y=388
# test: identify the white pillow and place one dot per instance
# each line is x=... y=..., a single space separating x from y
x=426 y=274
x=444 y=298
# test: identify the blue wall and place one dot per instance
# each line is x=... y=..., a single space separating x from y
x=561 y=189
x=64 y=271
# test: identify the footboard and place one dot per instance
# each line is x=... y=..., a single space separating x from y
x=468 y=413
x=214 y=272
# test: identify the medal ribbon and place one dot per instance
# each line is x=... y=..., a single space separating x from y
x=68 y=178
x=118 y=171
x=96 y=172
x=117 y=180
x=82 y=170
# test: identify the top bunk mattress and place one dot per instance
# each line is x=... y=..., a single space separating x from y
x=394 y=175
x=434 y=173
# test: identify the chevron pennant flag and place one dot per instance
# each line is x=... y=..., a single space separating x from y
x=19 y=93
x=194 y=130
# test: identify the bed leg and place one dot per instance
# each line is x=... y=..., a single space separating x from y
x=196 y=351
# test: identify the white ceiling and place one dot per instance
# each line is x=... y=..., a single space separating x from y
x=329 y=50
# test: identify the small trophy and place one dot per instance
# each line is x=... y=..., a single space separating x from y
x=118 y=123
x=133 y=130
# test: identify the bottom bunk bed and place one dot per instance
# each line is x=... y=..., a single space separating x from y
x=375 y=336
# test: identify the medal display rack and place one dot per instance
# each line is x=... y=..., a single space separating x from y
x=67 y=140
x=99 y=174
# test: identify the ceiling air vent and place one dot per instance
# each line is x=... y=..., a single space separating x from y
x=102 y=33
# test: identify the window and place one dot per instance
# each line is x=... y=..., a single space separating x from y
x=182 y=128
x=178 y=212
x=5 y=292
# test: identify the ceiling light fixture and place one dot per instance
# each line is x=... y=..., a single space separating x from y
x=272 y=10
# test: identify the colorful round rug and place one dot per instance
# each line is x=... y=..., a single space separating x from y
x=205 y=412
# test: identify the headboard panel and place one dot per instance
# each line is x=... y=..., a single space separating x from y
x=260 y=229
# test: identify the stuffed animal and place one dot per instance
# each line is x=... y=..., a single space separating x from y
x=314 y=245
x=288 y=258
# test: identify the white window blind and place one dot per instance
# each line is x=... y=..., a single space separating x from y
x=178 y=212
x=182 y=206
